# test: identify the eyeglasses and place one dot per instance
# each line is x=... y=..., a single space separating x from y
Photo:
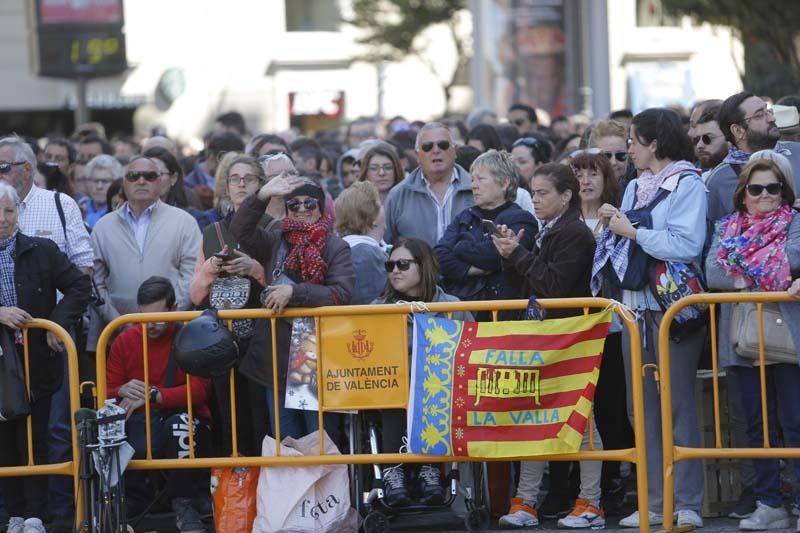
x=588 y=151
x=526 y=141
x=148 y=175
x=761 y=114
x=5 y=167
x=771 y=188
x=428 y=146
x=620 y=156
x=249 y=179
x=381 y=169
x=294 y=204
x=706 y=138
x=401 y=264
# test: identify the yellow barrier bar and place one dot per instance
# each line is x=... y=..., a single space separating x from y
x=147 y=414
x=190 y=415
x=762 y=374
x=26 y=363
x=65 y=468
x=673 y=453
x=635 y=455
x=715 y=376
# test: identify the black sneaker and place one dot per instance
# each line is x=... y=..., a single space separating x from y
x=430 y=487
x=186 y=518
x=395 y=493
x=745 y=505
x=553 y=507
x=613 y=497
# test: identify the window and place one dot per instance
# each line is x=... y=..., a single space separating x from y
x=312 y=15
x=652 y=13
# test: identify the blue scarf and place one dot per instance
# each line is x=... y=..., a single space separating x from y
x=736 y=156
x=8 y=285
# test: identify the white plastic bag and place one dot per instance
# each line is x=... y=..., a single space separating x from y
x=304 y=499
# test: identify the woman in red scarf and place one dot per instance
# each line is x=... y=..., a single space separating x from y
x=305 y=265
x=757 y=248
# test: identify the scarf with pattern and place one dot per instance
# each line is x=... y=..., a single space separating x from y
x=8 y=285
x=647 y=183
x=752 y=249
x=308 y=244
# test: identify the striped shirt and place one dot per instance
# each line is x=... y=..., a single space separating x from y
x=38 y=217
x=444 y=208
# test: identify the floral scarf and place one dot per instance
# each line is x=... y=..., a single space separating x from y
x=308 y=243
x=752 y=249
x=736 y=156
x=647 y=183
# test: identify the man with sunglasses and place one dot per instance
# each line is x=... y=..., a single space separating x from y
x=709 y=144
x=427 y=201
x=748 y=124
x=144 y=237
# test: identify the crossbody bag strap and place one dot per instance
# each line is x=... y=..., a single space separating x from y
x=220 y=238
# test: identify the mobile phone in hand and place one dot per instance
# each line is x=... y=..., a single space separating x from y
x=224 y=257
x=489 y=227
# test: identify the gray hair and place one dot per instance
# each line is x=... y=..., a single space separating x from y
x=432 y=126
x=502 y=168
x=102 y=162
x=7 y=191
x=475 y=116
x=22 y=151
x=276 y=157
x=780 y=161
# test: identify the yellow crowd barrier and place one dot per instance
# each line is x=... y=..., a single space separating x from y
x=68 y=468
x=634 y=455
x=673 y=453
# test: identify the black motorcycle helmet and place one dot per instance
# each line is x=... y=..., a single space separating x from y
x=204 y=347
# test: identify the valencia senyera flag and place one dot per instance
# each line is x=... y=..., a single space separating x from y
x=503 y=389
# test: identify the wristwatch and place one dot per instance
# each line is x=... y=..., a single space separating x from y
x=153 y=393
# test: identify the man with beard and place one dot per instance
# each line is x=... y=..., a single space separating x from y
x=709 y=144
x=749 y=125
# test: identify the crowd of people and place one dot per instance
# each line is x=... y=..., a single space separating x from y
x=381 y=212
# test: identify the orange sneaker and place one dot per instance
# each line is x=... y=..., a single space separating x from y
x=584 y=515
x=520 y=515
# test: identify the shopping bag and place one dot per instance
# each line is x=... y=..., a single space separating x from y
x=304 y=499
x=14 y=401
x=233 y=491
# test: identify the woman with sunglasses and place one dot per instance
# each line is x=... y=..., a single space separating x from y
x=670 y=184
x=757 y=248
x=305 y=265
x=557 y=265
x=610 y=137
x=529 y=153
x=413 y=270
x=471 y=267
x=381 y=167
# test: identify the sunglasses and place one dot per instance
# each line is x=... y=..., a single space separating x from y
x=5 y=168
x=148 y=175
x=401 y=264
x=706 y=138
x=772 y=189
x=428 y=146
x=294 y=204
x=619 y=156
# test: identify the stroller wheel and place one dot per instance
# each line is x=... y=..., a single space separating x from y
x=477 y=519
x=376 y=522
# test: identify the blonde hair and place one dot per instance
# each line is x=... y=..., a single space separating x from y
x=356 y=209
x=607 y=128
x=222 y=200
x=502 y=168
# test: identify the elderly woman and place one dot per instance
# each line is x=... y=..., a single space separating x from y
x=305 y=265
x=757 y=248
x=671 y=190
x=381 y=167
x=34 y=270
x=359 y=221
x=471 y=265
x=558 y=265
x=101 y=171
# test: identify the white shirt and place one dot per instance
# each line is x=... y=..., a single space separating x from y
x=38 y=217
x=444 y=208
x=139 y=224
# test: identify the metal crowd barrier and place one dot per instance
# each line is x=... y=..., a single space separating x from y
x=673 y=453
x=68 y=468
x=636 y=455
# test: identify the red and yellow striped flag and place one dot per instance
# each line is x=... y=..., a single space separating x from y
x=503 y=389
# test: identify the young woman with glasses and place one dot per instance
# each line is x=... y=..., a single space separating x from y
x=381 y=167
x=413 y=271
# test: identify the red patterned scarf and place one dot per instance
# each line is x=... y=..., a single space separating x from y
x=308 y=244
